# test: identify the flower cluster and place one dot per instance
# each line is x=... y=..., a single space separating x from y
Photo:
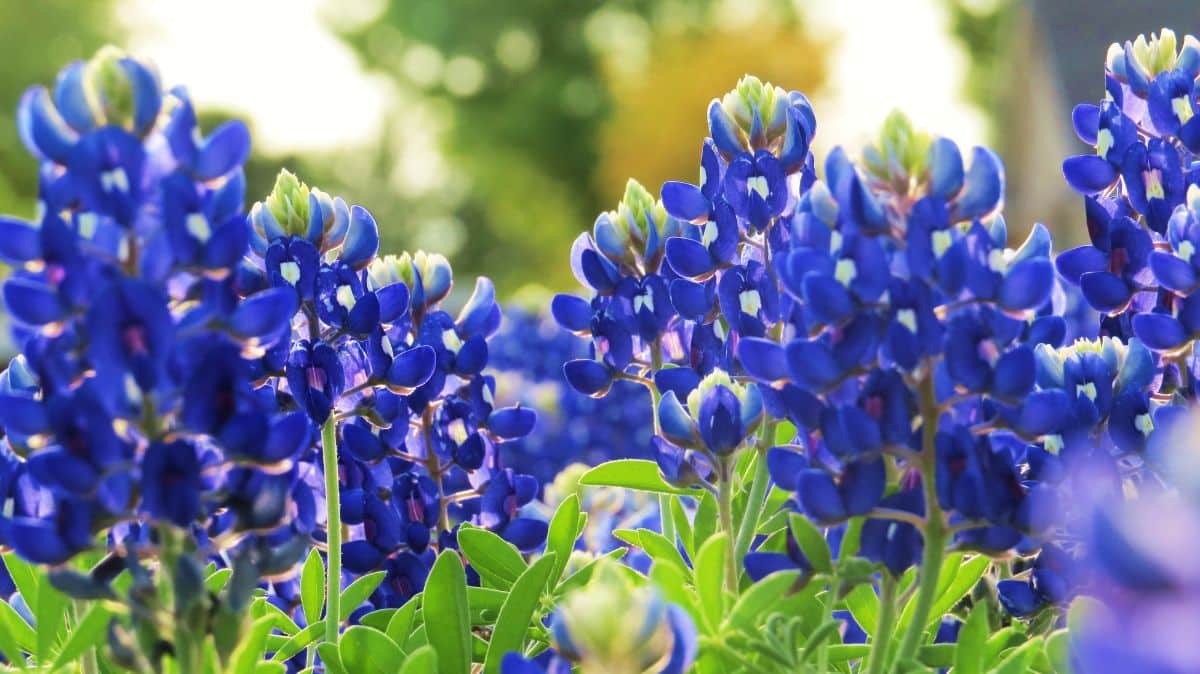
x=527 y=355
x=133 y=401
x=395 y=381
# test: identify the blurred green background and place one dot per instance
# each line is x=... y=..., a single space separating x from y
x=494 y=132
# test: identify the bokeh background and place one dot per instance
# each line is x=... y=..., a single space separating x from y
x=495 y=131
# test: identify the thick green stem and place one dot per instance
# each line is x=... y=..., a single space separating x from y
x=883 y=626
x=333 y=534
x=725 y=511
x=754 y=504
x=935 y=525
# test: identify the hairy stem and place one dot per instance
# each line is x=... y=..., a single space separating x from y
x=755 y=502
x=725 y=510
x=883 y=626
x=934 y=531
x=333 y=535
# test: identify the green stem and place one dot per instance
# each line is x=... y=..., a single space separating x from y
x=333 y=535
x=835 y=586
x=935 y=526
x=883 y=627
x=754 y=503
x=88 y=663
x=725 y=511
x=664 y=502
x=667 y=520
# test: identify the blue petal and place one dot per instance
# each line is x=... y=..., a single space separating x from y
x=1086 y=120
x=393 y=302
x=1104 y=291
x=785 y=466
x=20 y=241
x=819 y=497
x=1027 y=284
x=412 y=368
x=588 y=377
x=1043 y=412
x=513 y=663
x=265 y=313
x=226 y=149
x=763 y=359
x=361 y=556
x=289 y=435
x=679 y=380
x=31 y=302
x=362 y=238
x=759 y=565
x=1017 y=597
x=688 y=257
x=826 y=298
x=723 y=129
x=525 y=533
x=70 y=98
x=684 y=201
x=676 y=424
x=22 y=415
x=684 y=642
x=510 y=423
x=48 y=133
x=984 y=185
x=472 y=357
x=1015 y=373
x=476 y=314
x=812 y=365
x=1074 y=263
x=945 y=169
x=1172 y=272
x=572 y=313
x=1089 y=173
x=863 y=484
x=1159 y=331
x=692 y=300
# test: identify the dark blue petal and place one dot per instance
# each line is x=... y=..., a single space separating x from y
x=1172 y=272
x=723 y=129
x=676 y=423
x=225 y=149
x=1086 y=120
x=510 y=423
x=572 y=313
x=692 y=300
x=265 y=313
x=361 y=556
x=983 y=187
x=827 y=298
x=22 y=414
x=1159 y=331
x=412 y=368
x=1074 y=263
x=1017 y=597
x=393 y=302
x=819 y=497
x=862 y=486
x=20 y=241
x=684 y=202
x=1104 y=291
x=785 y=466
x=1014 y=373
x=1027 y=284
x=688 y=257
x=680 y=380
x=362 y=238
x=290 y=434
x=812 y=365
x=763 y=359
x=525 y=533
x=588 y=377
x=32 y=303
x=1089 y=173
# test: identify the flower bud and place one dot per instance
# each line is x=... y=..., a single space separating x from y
x=119 y=90
x=900 y=153
x=758 y=115
x=614 y=627
x=637 y=229
x=288 y=203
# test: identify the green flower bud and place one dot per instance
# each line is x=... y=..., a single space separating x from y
x=288 y=203
x=612 y=627
x=751 y=96
x=107 y=88
x=1158 y=54
x=900 y=153
x=624 y=234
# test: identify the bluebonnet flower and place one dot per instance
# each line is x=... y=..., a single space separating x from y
x=133 y=397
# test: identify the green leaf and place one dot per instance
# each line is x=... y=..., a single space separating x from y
x=365 y=650
x=839 y=653
x=682 y=526
x=249 y=650
x=637 y=474
x=997 y=643
x=8 y=641
x=299 y=641
x=51 y=614
x=312 y=586
x=584 y=574
x=1017 y=660
x=705 y=521
x=421 y=661
x=485 y=603
x=518 y=610
x=24 y=576
x=88 y=632
x=661 y=550
x=560 y=538
x=864 y=606
x=379 y=619
x=936 y=655
x=15 y=625
x=812 y=543
x=972 y=637
x=675 y=587
x=447 y=615
x=358 y=591
x=784 y=432
x=215 y=582
x=710 y=580
x=331 y=659
x=496 y=560
x=964 y=579
x=1057 y=651
x=755 y=603
x=401 y=624
x=270 y=667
